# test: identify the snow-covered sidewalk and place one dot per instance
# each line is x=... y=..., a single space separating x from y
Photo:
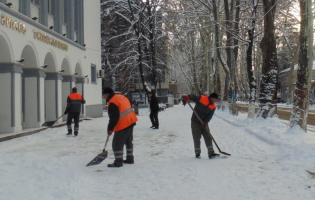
x=267 y=162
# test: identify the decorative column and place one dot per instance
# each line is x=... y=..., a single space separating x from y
x=67 y=85
x=10 y=98
x=53 y=96
x=80 y=86
x=33 y=87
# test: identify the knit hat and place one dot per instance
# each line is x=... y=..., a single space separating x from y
x=108 y=90
x=74 y=89
x=214 y=95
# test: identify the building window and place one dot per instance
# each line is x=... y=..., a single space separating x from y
x=78 y=21
x=93 y=73
x=76 y=3
x=65 y=12
x=51 y=7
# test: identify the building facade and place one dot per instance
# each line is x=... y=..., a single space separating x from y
x=46 y=48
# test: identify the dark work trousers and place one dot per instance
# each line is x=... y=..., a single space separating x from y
x=75 y=117
x=154 y=118
x=198 y=130
x=121 y=138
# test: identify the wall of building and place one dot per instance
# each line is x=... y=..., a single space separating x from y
x=92 y=32
x=32 y=94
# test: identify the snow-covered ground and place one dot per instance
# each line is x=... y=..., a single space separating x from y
x=268 y=162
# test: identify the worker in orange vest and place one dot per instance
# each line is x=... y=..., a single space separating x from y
x=73 y=109
x=122 y=120
x=205 y=107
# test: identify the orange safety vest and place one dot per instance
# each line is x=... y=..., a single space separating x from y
x=206 y=101
x=127 y=115
x=75 y=96
x=74 y=102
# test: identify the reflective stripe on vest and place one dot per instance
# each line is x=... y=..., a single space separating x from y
x=205 y=101
x=126 y=114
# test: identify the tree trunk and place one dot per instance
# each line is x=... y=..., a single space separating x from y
x=249 y=60
x=291 y=78
x=220 y=57
x=152 y=53
x=304 y=74
x=213 y=67
x=193 y=62
x=269 y=79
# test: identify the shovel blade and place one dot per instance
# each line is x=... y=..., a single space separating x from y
x=98 y=159
x=225 y=153
x=49 y=124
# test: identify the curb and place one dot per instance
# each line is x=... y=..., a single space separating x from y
x=20 y=135
x=6 y=138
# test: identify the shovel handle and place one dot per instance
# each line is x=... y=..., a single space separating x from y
x=106 y=143
x=195 y=113
x=59 y=117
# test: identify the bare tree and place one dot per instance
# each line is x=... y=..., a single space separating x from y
x=132 y=32
x=302 y=90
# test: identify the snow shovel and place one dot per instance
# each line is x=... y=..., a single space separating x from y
x=100 y=157
x=208 y=130
x=51 y=123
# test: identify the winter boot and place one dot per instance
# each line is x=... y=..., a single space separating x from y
x=213 y=155
x=68 y=134
x=198 y=155
x=114 y=165
x=152 y=127
x=129 y=160
x=156 y=127
x=75 y=133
